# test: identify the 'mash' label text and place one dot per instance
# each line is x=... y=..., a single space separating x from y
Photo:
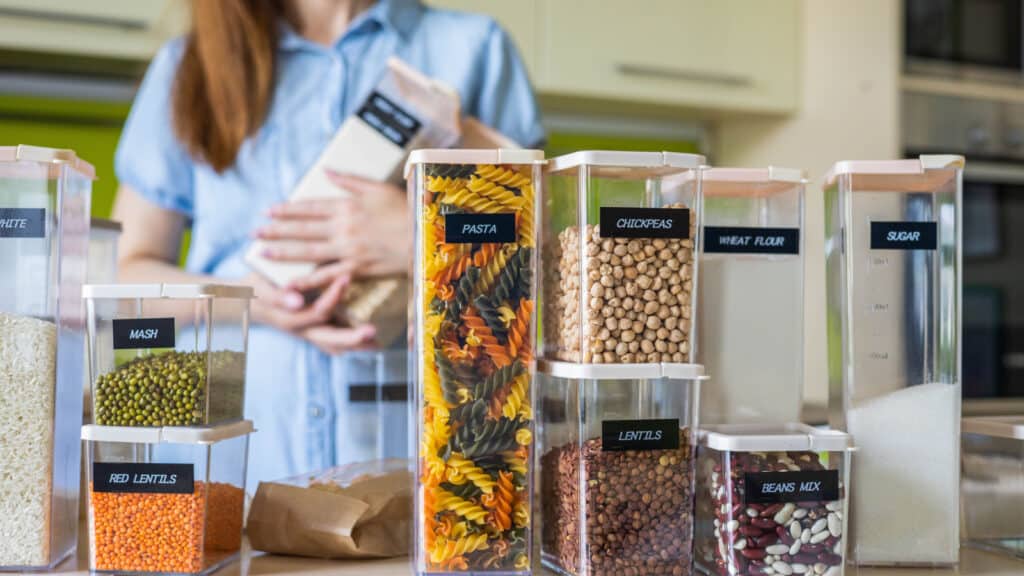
x=136 y=333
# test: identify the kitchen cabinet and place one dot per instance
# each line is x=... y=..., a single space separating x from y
x=520 y=18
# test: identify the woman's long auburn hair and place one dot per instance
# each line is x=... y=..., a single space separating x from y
x=225 y=80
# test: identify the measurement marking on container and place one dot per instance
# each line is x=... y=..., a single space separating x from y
x=879 y=307
x=879 y=355
x=879 y=261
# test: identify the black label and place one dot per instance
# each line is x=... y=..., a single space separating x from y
x=367 y=393
x=22 y=223
x=904 y=235
x=479 y=228
x=645 y=223
x=620 y=435
x=744 y=240
x=804 y=486
x=389 y=119
x=144 y=333
x=137 y=478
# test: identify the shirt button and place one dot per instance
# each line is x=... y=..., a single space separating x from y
x=316 y=411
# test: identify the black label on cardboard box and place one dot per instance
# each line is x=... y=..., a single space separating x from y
x=645 y=223
x=479 y=228
x=143 y=333
x=22 y=223
x=389 y=119
x=904 y=235
x=140 y=478
x=747 y=240
x=621 y=435
x=803 y=486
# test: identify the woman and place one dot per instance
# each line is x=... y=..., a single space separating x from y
x=226 y=122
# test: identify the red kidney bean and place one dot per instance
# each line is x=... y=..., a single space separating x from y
x=750 y=531
x=753 y=554
x=811 y=549
x=805 y=558
x=829 y=558
x=766 y=540
x=765 y=523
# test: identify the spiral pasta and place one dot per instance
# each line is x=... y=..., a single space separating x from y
x=518 y=332
x=481 y=334
x=516 y=397
x=445 y=550
x=496 y=192
x=472 y=472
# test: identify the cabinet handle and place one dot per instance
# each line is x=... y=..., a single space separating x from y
x=684 y=75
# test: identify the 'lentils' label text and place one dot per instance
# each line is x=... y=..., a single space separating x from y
x=136 y=333
x=804 y=486
x=620 y=435
x=743 y=240
x=671 y=223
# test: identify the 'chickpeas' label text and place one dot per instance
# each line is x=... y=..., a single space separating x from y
x=22 y=223
x=123 y=477
x=136 y=333
x=479 y=228
x=620 y=435
x=645 y=223
x=746 y=240
x=802 y=486
x=904 y=235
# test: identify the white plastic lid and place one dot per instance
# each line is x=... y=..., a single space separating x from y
x=24 y=153
x=998 y=426
x=773 y=438
x=477 y=156
x=910 y=167
x=750 y=182
x=622 y=159
x=167 y=434
x=179 y=291
x=646 y=371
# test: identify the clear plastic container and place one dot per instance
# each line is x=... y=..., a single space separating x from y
x=752 y=266
x=473 y=327
x=103 y=237
x=167 y=354
x=772 y=496
x=992 y=486
x=893 y=268
x=619 y=235
x=374 y=415
x=44 y=229
x=617 y=452
x=165 y=500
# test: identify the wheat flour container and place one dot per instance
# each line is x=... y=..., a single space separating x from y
x=751 y=295
x=992 y=486
x=619 y=235
x=165 y=500
x=167 y=354
x=44 y=229
x=473 y=366
x=893 y=284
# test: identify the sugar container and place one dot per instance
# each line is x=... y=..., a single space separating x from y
x=992 y=485
x=374 y=400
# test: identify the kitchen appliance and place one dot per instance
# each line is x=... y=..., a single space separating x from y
x=964 y=36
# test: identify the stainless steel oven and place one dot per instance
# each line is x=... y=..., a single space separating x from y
x=964 y=34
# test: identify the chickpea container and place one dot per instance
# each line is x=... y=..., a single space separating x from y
x=473 y=356
x=167 y=354
x=992 y=485
x=165 y=500
x=618 y=241
x=772 y=499
x=45 y=196
x=617 y=454
x=751 y=295
x=893 y=267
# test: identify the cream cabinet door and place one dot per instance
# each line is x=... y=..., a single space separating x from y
x=520 y=18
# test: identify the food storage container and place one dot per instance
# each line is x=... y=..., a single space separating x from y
x=473 y=328
x=893 y=268
x=103 y=237
x=992 y=486
x=617 y=451
x=167 y=354
x=44 y=230
x=772 y=497
x=619 y=235
x=751 y=295
x=374 y=400
x=165 y=500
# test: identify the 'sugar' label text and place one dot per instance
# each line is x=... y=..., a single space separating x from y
x=746 y=240
x=137 y=333
x=904 y=235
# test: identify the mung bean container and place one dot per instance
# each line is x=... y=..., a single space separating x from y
x=752 y=266
x=893 y=255
x=165 y=500
x=473 y=356
x=167 y=354
x=992 y=485
x=772 y=499
x=619 y=235
x=374 y=399
x=617 y=446
x=45 y=197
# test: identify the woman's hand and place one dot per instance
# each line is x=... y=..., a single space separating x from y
x=365 y=234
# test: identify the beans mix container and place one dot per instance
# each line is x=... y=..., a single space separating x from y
x=165 y=500
x=617 y=451
x=992 y=486
x=751 y=295
x=619 y=235
x=167 y=354
x=772 y=499
x=375 y=406
x=45 y=198
x=473 y=366
x=893 y=268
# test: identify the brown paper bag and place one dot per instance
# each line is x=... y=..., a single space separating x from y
x=378 y=301
x=360 y=510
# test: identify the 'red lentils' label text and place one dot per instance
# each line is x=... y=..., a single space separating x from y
x=746 y=240
x=904 y=235
x=22 y=223
x=143 y=478
x=803 y=486
x=670 y=223
x=622 y=435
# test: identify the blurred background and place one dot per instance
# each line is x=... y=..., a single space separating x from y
x=796 y=83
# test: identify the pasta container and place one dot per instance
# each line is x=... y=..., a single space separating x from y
x=772 y=499
x=473 y=325
x=618 y=236
x=374 y=416
x=44 y=229
x=165 y=500
x=617 y=456
x=893 y=289
x=992 y=486
x=752 y=267
x=167 y=354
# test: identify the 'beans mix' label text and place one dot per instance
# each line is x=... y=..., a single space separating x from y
x=802 y=486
